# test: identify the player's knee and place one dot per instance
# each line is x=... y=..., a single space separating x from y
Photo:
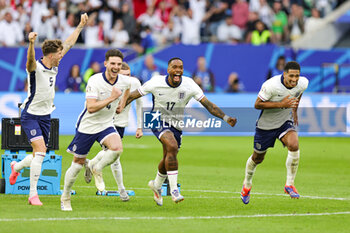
x=172 y=149
x=79 y=160
x=258 y=158
x=293 y=146
x=116 y=148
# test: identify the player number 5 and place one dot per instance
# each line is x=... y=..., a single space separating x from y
x=51 y=81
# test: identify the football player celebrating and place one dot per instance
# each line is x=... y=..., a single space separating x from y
x=120 y=122
x=279 y=100
x=95 y=123
x=171 y=94
x=35 y=117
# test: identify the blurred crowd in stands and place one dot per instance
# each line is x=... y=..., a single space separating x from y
x=146 y=24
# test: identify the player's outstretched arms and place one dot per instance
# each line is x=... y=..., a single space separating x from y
x=133 y=95
x=287 y=102
x=31 y=64
x=93 y=105
x=70 y=41
x=216 y=111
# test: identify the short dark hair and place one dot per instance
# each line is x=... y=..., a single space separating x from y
x=292 y=65
x=51 y=46
x=281 y=57
x=114 y=53
x=175 y=58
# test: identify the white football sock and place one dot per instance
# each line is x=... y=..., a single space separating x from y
x=97 y=158
x=172 y=177
x=249 y=172
x=70 y=177
x=109 y=157
x=159 y=180
x=292 y=164
x=24 y=163
x=35 y=170
x=117 y=172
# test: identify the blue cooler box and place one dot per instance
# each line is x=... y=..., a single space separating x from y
x=49 y=181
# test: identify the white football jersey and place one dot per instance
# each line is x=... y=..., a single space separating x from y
x=122 y=119
x=99 y=88
x=171 y=101
x=275 y=91
x=41 y=90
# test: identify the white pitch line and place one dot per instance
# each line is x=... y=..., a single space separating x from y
x=253 y=193
x=169 y=218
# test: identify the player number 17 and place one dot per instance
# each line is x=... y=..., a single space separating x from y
x=170 y=105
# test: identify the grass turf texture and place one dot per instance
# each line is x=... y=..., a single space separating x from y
x=211 y=171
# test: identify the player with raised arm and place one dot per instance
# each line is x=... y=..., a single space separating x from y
x=279 y=100
x=121 y=121
x=38 y=106
x=171 y=92
x=95 y=123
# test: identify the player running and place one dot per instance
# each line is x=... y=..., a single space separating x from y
x=120 y=122
x=171 y=94
x=35 y=117
x=278 y=99
x=95 y=123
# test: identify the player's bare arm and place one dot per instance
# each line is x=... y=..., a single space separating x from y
x=94 y=105
x=70 y=41
x=216 y=111
x=122 y=102
x=295 y=112
x=31 y=64
x=133 y=95
x=287 y=102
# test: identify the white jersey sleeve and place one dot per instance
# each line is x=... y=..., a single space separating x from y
x=304 y=83
x=147 y=87
x=91 y=90
x=197 y=91
x=265 y=92
x=139 y=104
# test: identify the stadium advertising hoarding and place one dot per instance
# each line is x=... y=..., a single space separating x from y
x=319 y=114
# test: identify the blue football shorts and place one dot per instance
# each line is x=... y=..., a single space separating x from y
x=165 y=127
x=82 y=143
x=36 y=127
x=263 y=139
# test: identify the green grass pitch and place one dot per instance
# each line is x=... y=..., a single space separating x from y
x=211 y=171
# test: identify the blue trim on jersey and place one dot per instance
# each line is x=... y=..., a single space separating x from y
x=81 y=116
x=167 y=82
x=43 y=64
x=282 y=79
x=105 y=78
x=32 y=86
